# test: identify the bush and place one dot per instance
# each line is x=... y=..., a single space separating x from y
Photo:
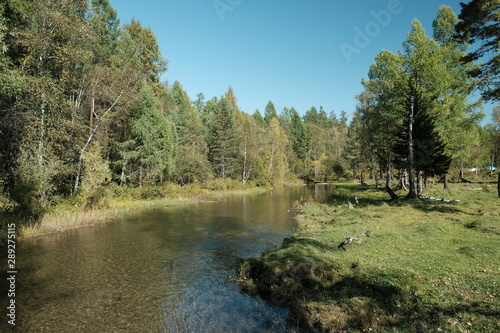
x=220 y=184
x=96 y=177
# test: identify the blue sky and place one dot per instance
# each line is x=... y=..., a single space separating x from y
x=296 y=53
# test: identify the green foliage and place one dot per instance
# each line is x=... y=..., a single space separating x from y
x=105 y=27
x=73 y=79
x=156 y=138
x=479 y=23
x=300 y=135
x=144 y=50
x=191 y=161
x=33 y=184
x=421 y=97
x=258 y=118
x=223 y=138
x=96 y=177
x=275 y=154
x=270 y=112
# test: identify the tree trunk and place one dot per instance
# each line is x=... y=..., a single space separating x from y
x=92 y=107
x=411 y=154
x=122 y=176
x=404 y=180
x=446 y=182
x=389 y=175
x=498 y=184
x=420 y=187
x=393 y=195
x=89 y=140
x=375 y=173
x=140 y=176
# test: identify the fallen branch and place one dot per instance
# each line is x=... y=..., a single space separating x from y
x=438 y=199
x=393 y=194
x=348 y=240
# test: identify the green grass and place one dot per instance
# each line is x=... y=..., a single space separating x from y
x=427 y=266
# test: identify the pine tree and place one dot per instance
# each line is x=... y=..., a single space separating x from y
x=223 y=138
x=270 y=112
x=191 y=161
x=479 y=23
x=155 y=138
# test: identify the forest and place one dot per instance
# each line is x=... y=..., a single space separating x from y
x=83 y=109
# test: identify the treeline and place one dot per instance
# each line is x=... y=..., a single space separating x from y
x=415 y=115
x=82 y=106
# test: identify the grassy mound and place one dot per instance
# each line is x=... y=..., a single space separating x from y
x=419 y=265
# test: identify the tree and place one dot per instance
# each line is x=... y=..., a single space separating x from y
x=250 y=148
x=381 y=108
x=299 y=135
x=421 y=96
x=355 y=148
x=54 y=63
x=496 y=120
x=480 y=23
x=456 y=114
x=276 y=152
x=95 y=176
x=146 y=52
x=270 y=112
x=223 y=137
x=259 y=119
x=105 y=27
x=155 y=137
x=191 y=161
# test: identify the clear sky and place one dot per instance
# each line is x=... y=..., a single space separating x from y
x=296 y=53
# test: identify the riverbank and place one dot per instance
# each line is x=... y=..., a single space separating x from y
x=415 y=266
x=70 y=213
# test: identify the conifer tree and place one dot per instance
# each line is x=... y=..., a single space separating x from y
x=270 y=112
x=155 y=138
x=191 y=161
x=223 y=137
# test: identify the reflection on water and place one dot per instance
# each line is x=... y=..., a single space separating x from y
x=161 y=270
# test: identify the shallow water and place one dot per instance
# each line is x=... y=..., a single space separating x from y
x=155 y=270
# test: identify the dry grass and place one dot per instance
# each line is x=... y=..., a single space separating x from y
x=68 y=215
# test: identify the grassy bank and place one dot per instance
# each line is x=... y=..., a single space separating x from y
x=74 y=212
x=419 y=265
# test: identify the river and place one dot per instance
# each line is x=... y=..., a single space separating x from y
x=156 y=270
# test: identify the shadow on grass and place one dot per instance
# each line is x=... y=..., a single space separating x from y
x=326 y=295
x=343 y=193
x=369 y=195
x=429 y=206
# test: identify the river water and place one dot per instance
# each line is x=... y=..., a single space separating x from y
x=155 y=270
